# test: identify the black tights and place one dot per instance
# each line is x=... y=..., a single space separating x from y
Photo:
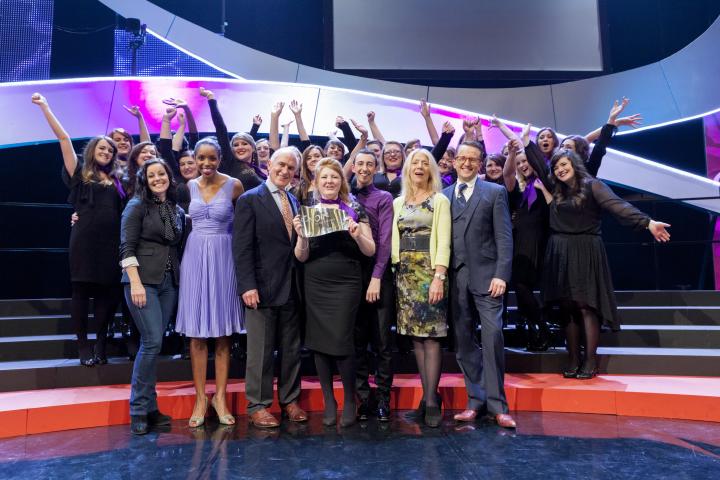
x=582 y=319
x=346 y=367
x=428 y=356
x=106 y=298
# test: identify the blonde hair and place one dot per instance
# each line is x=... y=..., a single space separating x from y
x=434 y=182
x=335 y=166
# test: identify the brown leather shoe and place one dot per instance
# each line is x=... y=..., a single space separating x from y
x=264 y=419
x=468 y=415
x=505 y=420
x=294 y=413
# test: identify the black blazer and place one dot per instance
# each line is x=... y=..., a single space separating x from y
x=262 y=250
x=141 y=237
x=488 y=234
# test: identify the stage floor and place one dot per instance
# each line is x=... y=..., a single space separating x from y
x=553 y=445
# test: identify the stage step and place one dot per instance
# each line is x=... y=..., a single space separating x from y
x=63 y=372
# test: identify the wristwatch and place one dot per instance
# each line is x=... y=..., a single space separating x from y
x=440 y=276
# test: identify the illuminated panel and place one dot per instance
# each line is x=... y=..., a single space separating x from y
x=157 y=58
x=26 y=39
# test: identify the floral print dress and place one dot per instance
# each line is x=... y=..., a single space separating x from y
x=416 y=317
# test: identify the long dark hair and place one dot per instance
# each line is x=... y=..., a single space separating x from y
x=582 y=147
x=563 y=192
x=132 y=166
x=90 y=169
x=143 y=188
x=556 y=140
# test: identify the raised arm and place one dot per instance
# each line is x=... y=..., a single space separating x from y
x=274 y=138
x=374 y=128
x=177 y=140
x=510 y=167
x=347 y=168
x=296 y=109
x=536 y=159
x=68 y=152
x=257 y=121
x=165 y=144
x=348 y=136
x=500 y=125
x=181 y=104
x=632 y=121
x=285 y=139
x=432 y=131
x=142 y=126
x=442 y=144
x=220 y=130
x=469 y=124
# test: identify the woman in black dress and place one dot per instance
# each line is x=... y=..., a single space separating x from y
x=530 y=215
x=97 y=196
x=333 y=288
x=576 y=276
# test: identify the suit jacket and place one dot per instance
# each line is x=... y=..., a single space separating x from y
x=487 y=235
x=141 y=236
x=262 y=250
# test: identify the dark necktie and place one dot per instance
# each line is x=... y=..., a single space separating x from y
x=460 y=199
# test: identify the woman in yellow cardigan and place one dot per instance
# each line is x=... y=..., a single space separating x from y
x=421 y=251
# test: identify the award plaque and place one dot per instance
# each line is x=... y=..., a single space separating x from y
x=317 y=221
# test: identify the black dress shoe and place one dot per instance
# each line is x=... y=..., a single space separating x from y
x=87 y=362
x=138 y=424
x=158 y=419
x=100 y=359
x=363 y=412
x=383 y=412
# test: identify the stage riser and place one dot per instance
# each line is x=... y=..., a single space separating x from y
x=119 y=372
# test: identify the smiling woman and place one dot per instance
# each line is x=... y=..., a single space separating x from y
x=98 y=197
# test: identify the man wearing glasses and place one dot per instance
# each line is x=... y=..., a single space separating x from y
x=480 y=269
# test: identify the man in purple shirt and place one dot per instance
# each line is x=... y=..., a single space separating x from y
x=377 y=311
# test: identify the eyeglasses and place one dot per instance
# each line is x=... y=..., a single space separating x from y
x=471 y=160
x=392 y=152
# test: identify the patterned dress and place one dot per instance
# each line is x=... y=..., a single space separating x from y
x=416 y=317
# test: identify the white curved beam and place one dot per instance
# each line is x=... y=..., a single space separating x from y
x=681 y=85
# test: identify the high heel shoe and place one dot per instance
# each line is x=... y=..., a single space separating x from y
x=349 y=414
x=586 y=374
x=198 y=421
x=330 y=415
x=571 y=372
x=226 y=419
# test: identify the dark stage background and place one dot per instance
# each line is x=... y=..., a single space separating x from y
x=35 y=219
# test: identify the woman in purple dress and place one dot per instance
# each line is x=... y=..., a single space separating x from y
x=209 y=306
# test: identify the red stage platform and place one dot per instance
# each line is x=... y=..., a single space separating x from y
x=688 y=398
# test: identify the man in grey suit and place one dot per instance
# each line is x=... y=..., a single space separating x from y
x=480 y=269
x=263 y=243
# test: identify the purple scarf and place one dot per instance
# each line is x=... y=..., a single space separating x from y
x=107 y=169
x=342 y=206
x=530 y=193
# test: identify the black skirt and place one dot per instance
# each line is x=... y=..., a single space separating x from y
x=333 y=290
x=576 y=270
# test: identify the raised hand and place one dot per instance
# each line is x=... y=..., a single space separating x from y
x=469 y=124
x=175 y=102
x=494 y=122
x=181 y=118
x=277 y=109
x=170 y=113
x=339 y=120
x=296 y=107
x=514 y=147
x=204 y=92
x=257 y=120
x=617 y=109
x=424 y=108
x=133 y=110
x=659 y=231
x=363 y=131
x=287 y=125
x=371 y=116
x=38 y=99
x=448 y=127
x=632 y=121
